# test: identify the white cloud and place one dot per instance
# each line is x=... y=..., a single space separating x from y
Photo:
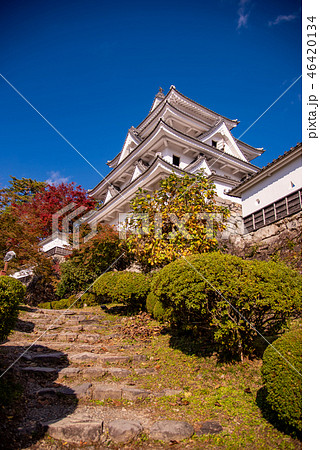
x=243 y=14
x=282 y=18
x=56 y=178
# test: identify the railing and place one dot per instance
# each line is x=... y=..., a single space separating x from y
x=283 y=207
x=58 y=251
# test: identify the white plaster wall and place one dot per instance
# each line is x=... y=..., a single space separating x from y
x=272 y=188
x=57 y=242
x=220 y=187
x=184 y=160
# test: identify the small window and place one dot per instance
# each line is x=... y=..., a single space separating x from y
x=292 y=185
x=214 y=143
x=258 y=201
x=175 y=160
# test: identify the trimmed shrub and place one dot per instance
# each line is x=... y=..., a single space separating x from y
x=159 y=312
x=86 y=299
x=283 y=383
x=223 y=294
x=130 y=288
x=12 y=293
x=155 y=307
x=150 y=302
x=93 y=258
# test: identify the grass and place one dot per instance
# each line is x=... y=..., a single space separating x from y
x=209 y=391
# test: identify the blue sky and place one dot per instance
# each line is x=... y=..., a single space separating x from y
x=92 y=68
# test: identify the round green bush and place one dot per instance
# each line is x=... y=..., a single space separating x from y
x=88 y=299
x=130 y=288
x=150 y=302
x=282 y=380
x=155 y=307
x=224 y=296
x=159 y=312
x=12 y=293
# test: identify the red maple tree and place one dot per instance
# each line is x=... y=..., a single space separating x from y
x=38 y=212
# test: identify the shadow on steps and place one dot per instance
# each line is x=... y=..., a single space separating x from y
x=29 y=395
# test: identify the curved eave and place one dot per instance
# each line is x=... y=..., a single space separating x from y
x=113 y=163
x=235 y=122
x=168 y=106
x=165 y=105
x=206 y=110
x=178 y=135
x=136 y=183
x=254 y=151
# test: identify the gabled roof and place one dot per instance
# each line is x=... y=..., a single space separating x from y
x=266 y=171
x=203 y=147
x=137 y=181
x=173 y=91
x=130 y=135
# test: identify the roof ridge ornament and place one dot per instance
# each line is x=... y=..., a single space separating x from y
x=160 y=94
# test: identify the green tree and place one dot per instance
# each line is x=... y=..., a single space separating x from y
x=178 y=219
x=92 y=259
x=20 y=191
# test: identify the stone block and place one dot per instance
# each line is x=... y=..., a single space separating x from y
x=124 y=431
x=171 y=430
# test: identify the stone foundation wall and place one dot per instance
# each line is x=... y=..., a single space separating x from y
x=281 y=240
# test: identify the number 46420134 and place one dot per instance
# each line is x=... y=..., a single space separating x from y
x=311 y=46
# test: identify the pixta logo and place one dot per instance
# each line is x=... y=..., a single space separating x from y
x=69 y=225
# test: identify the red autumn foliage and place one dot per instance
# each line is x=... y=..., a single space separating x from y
x=38 y=212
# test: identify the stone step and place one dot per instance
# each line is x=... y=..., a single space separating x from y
x=103 y=391
x=104 y=358
x=35 y=371
x=69 y=337
x=45 y=358
x=79 y=391
x=81 y=428
x=75 y=429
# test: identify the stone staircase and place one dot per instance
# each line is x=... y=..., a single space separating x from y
x=83 y=384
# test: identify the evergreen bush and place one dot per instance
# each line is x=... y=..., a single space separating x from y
x=282 y=382
x=266 y=294
x=12 y=293
x=150 y=302
x=87 y=299
x=130 y=288
x=93 y=258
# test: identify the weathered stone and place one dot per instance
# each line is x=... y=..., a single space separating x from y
x=68 y=337
x=171 y=430
x=83 y=357
x=87 y=356
x=124 y=430
x=79 y=391
x=82 y=390
x=39 y=370
x=45 y=357
x=210 y=427
x=89 y=338
x=168 y=392
x=105 y=391
x=118 y=372
x=114 y=358
x=91 y=372
x=75 y=430
x=144 y=371
x=139 y=357
x=129 y=393
x=69 y=372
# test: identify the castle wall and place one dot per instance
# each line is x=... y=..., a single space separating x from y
x=281 y=240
